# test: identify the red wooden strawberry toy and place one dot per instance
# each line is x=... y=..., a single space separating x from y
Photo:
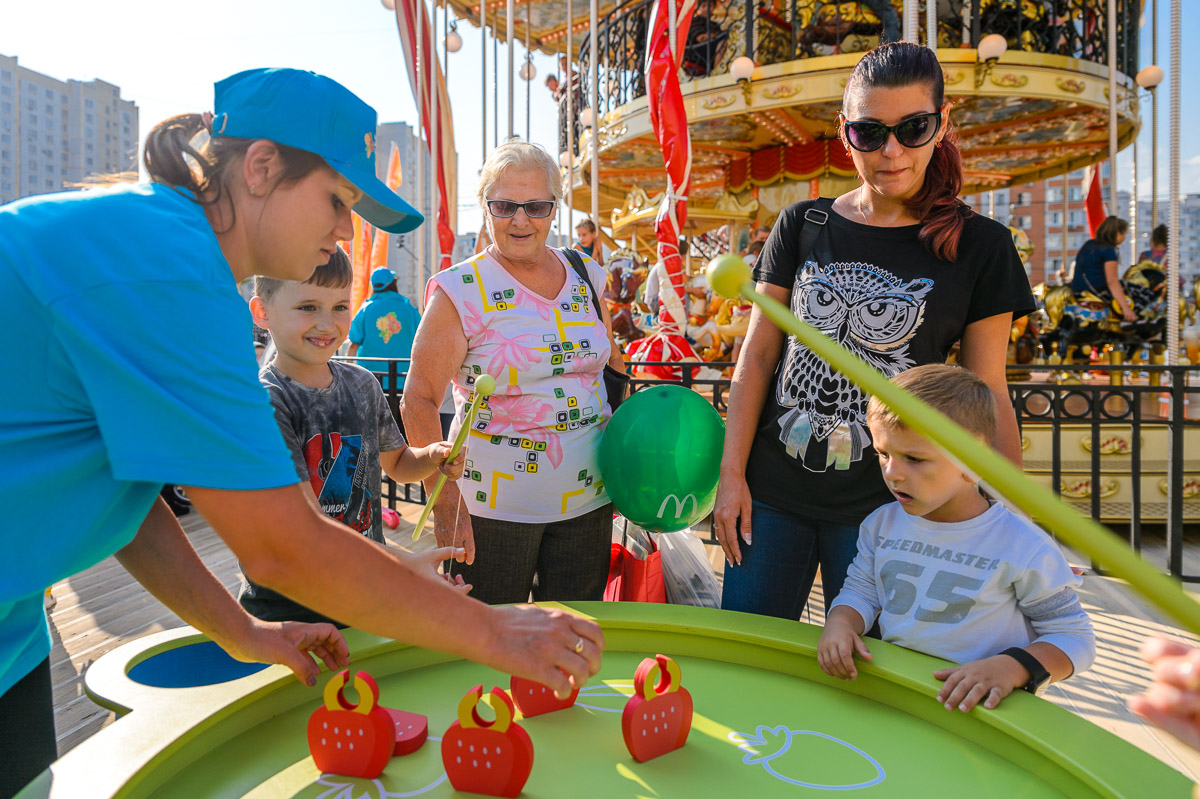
x=488 y=757
x=658 y=717
x=351 y=740
x=534 y=699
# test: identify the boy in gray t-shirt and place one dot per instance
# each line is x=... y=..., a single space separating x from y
x=333 y=415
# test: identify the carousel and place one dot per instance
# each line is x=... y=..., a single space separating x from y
x=741 y=122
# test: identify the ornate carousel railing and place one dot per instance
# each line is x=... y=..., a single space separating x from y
x=1121 y=443
x=785 y=30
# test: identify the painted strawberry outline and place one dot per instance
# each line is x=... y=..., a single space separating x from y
x=766 y=736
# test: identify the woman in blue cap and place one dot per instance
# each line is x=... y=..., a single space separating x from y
x=137 y=372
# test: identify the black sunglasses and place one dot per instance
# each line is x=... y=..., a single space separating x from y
x=867 y=137
x=534 y=209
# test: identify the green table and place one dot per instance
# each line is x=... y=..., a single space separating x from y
x=767 y=723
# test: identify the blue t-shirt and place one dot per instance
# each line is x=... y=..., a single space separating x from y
x=1089 y=267
x=384 y=328
x=134 y=369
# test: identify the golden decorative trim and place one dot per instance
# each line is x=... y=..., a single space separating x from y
x=1113 y=445
x=719 y=101
x=1025 y=443
x=782 y=91
x=617 y=131
x=951 y=78
x=1070 y=85
x=1191 y=487
x=1082 y=489
x=843 y=81
x=1010 y=81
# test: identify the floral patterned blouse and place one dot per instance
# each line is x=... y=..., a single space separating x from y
x=534 y=448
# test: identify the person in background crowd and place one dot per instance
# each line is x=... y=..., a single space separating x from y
x=384 y=327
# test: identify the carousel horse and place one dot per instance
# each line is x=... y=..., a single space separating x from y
x=830 y=23
x=1026 y=28
x=1066 y=321
x=625 y=277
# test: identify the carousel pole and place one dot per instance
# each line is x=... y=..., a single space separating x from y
x=483 y=37
x=931 y=30
x=594 y=71
x=1112 y=104
x=529 y=78
x=435 y=151
x=508 y=30
x=419 y=68
x=1133 y=209
x=496 y=87
x=912 y=21
x=1154 y=119
x=1066 y=219
x=1173 y=248
x=570 y=84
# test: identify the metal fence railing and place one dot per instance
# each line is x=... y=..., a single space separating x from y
x=1116 y=452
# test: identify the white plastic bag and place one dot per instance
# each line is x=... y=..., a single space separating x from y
x=687 y=574
x=636 y=539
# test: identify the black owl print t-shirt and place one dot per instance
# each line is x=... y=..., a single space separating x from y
x=882 y=295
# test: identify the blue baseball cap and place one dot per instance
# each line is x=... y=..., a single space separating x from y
x=381 y=277
x=312 y=112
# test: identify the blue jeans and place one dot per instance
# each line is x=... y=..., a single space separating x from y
x=778 y=568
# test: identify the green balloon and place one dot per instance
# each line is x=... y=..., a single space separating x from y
x=661 y=456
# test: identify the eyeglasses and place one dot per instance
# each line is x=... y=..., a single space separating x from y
x=534 y=209
x=867 y=137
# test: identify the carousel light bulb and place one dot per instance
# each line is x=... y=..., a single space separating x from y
x=1149 y=77
x=453 y=42
x=587 y=118
x=390 y=5
x=992 y=47
x=741 y=68
x=527 y=71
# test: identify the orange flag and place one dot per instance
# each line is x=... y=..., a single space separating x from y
x=379 y=245
x=360 y=259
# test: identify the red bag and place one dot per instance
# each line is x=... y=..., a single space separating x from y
x=631 y=579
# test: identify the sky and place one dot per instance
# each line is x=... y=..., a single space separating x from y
x=165 y=55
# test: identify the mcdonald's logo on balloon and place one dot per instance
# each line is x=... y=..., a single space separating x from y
x=661 y=456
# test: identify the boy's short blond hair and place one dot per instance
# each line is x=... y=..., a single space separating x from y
x=336 y=273
x=959 y=393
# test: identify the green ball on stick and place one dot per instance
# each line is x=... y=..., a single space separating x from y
x=730 y=277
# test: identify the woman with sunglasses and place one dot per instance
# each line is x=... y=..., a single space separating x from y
x=897 y=270
x=532 y=500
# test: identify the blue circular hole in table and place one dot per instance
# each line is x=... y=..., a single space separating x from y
x=202 y=663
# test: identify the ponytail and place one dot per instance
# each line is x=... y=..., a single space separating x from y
x=181 y=153
x=943 y=215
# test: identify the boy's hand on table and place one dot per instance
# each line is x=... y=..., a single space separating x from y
x=985 y=681
x=836 y=650
x=293 y=644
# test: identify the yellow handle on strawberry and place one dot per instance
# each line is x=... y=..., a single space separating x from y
x=468 y=716
x=366 y=696
x=485 y=385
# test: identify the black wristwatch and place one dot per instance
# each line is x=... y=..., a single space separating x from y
x=1038 y=676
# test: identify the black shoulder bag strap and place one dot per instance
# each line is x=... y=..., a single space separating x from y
x=816 y=218
x=616 y=383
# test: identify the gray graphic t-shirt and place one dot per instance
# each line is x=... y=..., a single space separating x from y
x=335 y=435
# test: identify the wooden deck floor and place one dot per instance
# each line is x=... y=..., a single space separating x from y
x=102 y=608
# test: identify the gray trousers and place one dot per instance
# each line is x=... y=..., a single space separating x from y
x=568 y=557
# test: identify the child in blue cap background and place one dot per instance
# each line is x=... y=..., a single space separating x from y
x=139 y=372
x=384 y=327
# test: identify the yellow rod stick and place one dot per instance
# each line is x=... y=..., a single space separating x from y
x=484 y=386
x=1085 y=535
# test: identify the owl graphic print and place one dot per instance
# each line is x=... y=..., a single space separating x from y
x=875 y=315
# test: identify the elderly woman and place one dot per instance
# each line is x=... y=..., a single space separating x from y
x=532 y=501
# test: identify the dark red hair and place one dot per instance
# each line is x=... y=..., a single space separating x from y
x=943 y=215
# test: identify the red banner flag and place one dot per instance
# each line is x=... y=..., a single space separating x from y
x=1094 y=199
